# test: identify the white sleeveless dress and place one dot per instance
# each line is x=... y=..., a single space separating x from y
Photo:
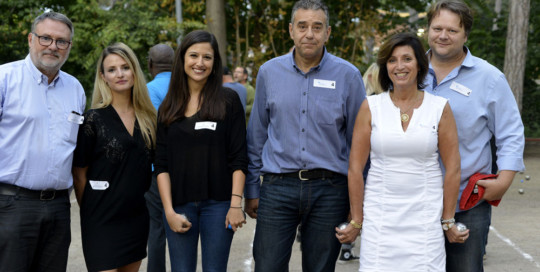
x=403 y=198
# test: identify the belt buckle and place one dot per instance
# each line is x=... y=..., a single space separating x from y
x=47 y=195
x=300 y=175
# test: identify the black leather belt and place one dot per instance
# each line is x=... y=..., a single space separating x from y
x=12 y=190
x=310 y=174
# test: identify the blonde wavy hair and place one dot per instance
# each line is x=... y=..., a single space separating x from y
x=144 y=110
x=371 y=80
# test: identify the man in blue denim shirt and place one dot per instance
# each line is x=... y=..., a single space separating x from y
x=299 y=137
x=483 y=106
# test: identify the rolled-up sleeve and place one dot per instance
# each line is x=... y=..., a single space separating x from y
x=507 y=126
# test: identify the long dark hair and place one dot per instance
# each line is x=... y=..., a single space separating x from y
x=175 y=103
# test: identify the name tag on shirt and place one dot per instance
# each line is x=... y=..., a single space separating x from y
x=99 y=184
x=205 y=125
x=321 y=83
x=460 y=88
x=75 y=118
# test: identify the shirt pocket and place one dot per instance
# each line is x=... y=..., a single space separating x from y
x=71 y=125
x=328 y=111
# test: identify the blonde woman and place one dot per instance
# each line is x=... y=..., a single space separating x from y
x=112 y=164
x=370 y=78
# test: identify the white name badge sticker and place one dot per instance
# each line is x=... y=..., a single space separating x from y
x=75 y=118
x=321 y=83
x=460 y=88
x=205 y=125
x=99 y=184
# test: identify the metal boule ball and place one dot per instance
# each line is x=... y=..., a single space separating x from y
x=461 y=227
x=527 y=177
x=521 y=191
x=343 y=225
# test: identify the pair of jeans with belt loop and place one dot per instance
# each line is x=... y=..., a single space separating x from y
x=469 y=256
x=319 y=205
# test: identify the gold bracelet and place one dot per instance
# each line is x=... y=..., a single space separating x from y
x=355 y=225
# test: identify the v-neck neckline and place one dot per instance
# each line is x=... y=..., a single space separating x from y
x=122 y=122
x=398 y=110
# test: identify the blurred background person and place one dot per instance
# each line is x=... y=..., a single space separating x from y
x=406 y=195
x=160 y=61
x=112 y=164
x=240 y=75
x=228 y=82
x=201 y=157
x=371 y=77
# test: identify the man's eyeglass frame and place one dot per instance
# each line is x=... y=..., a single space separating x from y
x=47 y=41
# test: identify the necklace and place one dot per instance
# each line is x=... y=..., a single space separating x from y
x=403 y=114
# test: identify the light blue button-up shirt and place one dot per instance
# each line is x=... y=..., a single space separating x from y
x=36 y=138
x=483 y=105
x=302 y=120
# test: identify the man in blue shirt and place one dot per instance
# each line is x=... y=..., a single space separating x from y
x=228 y=82
x=160 y=61
x=299 y=137
x=483 y=106
x=40 y=114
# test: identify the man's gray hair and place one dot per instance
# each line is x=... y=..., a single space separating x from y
x=56 y=17
x=312 y=5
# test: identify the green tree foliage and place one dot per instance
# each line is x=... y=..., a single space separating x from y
x=258 y=30
x=489 y=44
x=138 y=23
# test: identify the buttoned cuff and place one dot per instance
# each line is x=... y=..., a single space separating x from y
x=252 y=189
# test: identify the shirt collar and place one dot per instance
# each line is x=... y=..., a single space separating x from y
x=315 y=68
x=163 y=74
x=38 y=76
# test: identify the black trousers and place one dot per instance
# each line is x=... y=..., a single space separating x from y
x=34 y=234
x=156 y=236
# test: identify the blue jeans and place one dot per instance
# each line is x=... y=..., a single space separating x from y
x=468 y=257
x=156 y=236
x=34 y=234
x=207 y=219
x=318 y=205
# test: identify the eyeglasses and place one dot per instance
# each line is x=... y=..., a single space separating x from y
x=46 y=41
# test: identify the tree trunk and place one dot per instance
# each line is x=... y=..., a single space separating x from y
x=498 y=5
x=516 y=47
x=237 y=28
x=246 y=53
x=215 y=19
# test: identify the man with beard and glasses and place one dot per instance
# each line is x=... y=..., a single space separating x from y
x=40 y=114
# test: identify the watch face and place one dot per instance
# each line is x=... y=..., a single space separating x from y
x=445 y=227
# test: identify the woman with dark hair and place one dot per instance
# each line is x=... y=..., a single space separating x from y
x=112 y=164
x=201 y=157
x=406 y=197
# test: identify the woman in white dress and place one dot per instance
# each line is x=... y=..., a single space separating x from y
x=405 y=198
